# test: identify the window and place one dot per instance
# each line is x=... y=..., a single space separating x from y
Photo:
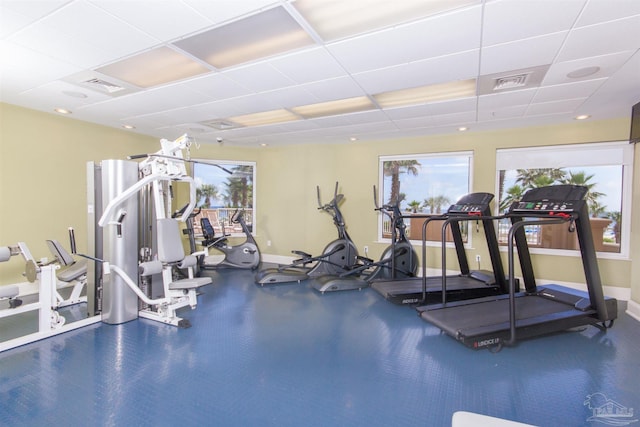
x=605 y=168
x=222 y=187
x=424 y=184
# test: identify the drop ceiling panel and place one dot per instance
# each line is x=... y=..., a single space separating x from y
x=217 y=86
x=423 y=39
x=332 y=89
x=506 y=21
x=582 y=89
x=219 y=11
x=459 y=66
x=463 y=118
x=308 y=66
x=607 y=64
x=52 y=95
x=505 y=113
x=164 y=20
x=291 y=97
x=506 y=99
x=32 y=10
x=511 y=56
x=408 y=112
x=41 y=69
x=99 y=29
x=602 y=10
x=602 y=39
x=563 y=106
x=259 y=77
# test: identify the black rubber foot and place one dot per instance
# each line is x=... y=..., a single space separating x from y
x=15 y=302
x=184 y=323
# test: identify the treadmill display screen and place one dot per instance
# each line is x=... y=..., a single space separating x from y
x=546 y=206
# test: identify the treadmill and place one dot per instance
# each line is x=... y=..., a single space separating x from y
x=497 y=321
x=467 y=284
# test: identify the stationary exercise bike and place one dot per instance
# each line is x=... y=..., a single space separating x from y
x=338 y=256
x=243 y=255
x=398 y=260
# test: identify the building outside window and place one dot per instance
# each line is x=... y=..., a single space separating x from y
x=424 y=184
x=222 y=188
x=604 y=168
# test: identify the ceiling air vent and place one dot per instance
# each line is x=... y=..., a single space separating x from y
x=220 y=124
x=510 y=82
x=104 y=85
x=505 y=81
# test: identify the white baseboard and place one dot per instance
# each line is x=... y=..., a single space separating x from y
x=633 y=309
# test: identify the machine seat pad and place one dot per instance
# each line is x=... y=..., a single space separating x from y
x=9 y=291
x=73 y=272
x=194 y=283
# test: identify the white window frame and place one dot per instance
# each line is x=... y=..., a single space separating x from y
x=380 y=190
x=577 y=155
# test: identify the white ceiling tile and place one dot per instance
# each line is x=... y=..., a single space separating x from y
x=608 y=65
x=292 y=97
x=509 y=20
x=506 y=99
x=332 y=89
x=219 y=11
x=152 y=16
x=412 y=112
x=607 y=10
x=308 y=66
x=463 y=118
x=33 y=9
x=22 y=69
x=459 y=66
x=502 y=113
x=555 y=107
x=11 y=21
x=453 y=106
x=217 y=86
x=521 y=54
x=259 y=77
x=602 y=39
x=582 y=89
x=423 y=39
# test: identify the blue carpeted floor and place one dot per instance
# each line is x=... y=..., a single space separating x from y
x=286 y=355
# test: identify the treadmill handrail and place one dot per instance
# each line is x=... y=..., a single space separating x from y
x=456 y=218
x=512 y=282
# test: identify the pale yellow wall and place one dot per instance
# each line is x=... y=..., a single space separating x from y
x=43 y=160
x=48 y=154
x=287 y=177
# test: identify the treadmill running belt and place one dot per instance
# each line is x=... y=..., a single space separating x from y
x=492 y=317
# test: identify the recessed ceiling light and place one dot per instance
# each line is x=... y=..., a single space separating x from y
x=265 y=118
x=582 y=117
x=74 y=94
x=337 y=19
x=463 y=128
x=353 y=139
x=264 y=144
x=62 y=110
x=425 y=94
x=154 y=67
x=332 y=108
x=264 y=34
x=128 y=126
x=583 y=72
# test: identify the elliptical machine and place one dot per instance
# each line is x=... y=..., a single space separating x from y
x=398 y=260
x=244 y=255
x=337 y=257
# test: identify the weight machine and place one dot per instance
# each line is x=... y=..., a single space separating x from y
x=49 y=321
x=135 y=240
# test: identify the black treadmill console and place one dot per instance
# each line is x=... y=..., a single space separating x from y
x=471 y=203
x=546 y=200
